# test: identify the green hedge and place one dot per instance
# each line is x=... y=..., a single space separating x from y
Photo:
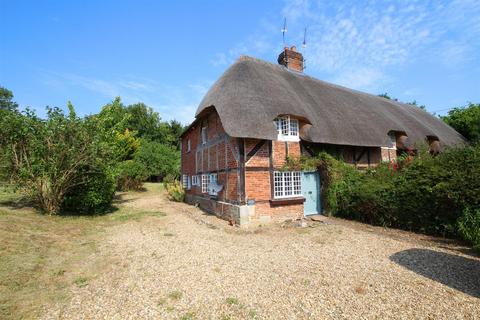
x=427 y=194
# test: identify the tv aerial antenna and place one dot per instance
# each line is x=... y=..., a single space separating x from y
x=304 y=47
x=284 y=30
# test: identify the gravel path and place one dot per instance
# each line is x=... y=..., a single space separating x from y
x=190 y=266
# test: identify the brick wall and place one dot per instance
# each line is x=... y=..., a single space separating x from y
x=217 y=156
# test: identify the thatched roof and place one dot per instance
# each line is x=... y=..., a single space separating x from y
x=252 y=93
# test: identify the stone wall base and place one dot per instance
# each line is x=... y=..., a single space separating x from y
x=240 y=215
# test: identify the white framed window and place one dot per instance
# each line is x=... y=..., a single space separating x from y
x=204 y=135
x=195 y=181
x=287 y=128
x=205 y=178
x=188 y=145
x=287 y=184
x=186 y=182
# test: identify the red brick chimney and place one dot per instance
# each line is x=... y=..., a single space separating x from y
x=291 y=59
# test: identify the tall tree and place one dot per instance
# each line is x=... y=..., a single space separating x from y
x=466 y=120
x=6 y=100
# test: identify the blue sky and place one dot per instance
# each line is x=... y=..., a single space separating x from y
x=167 y=54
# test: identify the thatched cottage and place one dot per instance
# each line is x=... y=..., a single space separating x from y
x=258 y=113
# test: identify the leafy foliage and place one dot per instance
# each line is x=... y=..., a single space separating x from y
x=48 y=158
x=6 y=100
x=469 y=226
x=94 y=196
x=175 y=190
x=130 y=175
x=427 y=194
x=466 y=121
x=159 y=160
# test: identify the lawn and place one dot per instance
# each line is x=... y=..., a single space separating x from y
x=41 y=256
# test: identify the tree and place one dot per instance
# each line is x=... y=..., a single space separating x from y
x=6 y=102
x=158 y=159
x=466 y=120
x=48 y=158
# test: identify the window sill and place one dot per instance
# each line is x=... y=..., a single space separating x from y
x=288 y=138
x=286 y=201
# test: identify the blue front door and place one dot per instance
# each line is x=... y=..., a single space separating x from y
x=311 y=192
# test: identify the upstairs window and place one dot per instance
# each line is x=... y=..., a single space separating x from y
x=287 y=128
x=188 y=145
x=204 y=135
x=287 y=184
x=392 y=141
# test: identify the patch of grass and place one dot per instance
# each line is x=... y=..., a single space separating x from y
x=175 y=295
x=170 y=309
x=188 y=316
x=125 y=215
x=252 y=314
x=217 y=269
x=232 y=301
x=81 y=282
x=161 y=301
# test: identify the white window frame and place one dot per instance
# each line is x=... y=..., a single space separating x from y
x=204 y=182
x=203 y=135
x=195 y=181
x=188 y=145
x=186 y=182
x=287 y=128
x=287 y=184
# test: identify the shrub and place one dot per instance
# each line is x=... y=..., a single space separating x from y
x=426 y=194
x=130 y=175
x=47 y=158
x=92 y=197
x=469 y=227
x=175 y=191
x=158 y=159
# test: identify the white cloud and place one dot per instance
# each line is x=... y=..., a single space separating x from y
x=355 y=43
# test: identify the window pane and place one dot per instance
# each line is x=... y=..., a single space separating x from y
x=285 y=126
x=294 y=127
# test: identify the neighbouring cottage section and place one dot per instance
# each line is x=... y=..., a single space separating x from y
x=258 y=114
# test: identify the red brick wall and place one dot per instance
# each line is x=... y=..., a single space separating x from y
x=216 y=158
x=279 y=213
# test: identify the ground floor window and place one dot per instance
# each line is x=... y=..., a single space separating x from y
x=186 y=182
x=204 y=183
x=195 y=181
x=286 y=184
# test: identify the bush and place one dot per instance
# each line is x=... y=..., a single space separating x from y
x=131 y=175
x=94 y=196
x=175 y=191
x=469 y=227
x=47 y=158
x=427 y=194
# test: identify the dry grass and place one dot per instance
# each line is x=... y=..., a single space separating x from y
x=43 y=256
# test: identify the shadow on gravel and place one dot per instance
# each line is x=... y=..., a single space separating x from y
x=457 y=272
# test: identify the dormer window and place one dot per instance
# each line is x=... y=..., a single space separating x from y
x=392 y=141
x=287 y=128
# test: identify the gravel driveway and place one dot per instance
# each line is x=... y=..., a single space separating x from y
x=187 y=265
